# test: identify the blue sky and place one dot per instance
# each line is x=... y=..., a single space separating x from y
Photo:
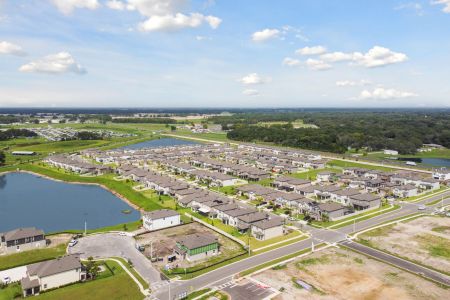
x=224 y=53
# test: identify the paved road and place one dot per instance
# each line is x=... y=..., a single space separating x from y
x=114 y=245
x=318 y=236
x=401 y=263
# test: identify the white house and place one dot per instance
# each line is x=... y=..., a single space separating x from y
x=441 y=174
x=404 y=191
x=267 y=229
x=390 y=152
x=52 y=274
x=159 y=219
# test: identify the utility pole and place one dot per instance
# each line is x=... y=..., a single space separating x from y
x=312 y=246
x=85 y=227
x=354 y=225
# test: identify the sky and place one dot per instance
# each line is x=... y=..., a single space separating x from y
x=224 y=53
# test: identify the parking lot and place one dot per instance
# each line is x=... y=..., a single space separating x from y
x=248 y=290
x=114 y=245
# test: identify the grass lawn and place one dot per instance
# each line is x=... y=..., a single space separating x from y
x=31 y=256
x=134 y=272
x=347 y=164
x=163 y=200
x=213 y=136
x=227 y=190
x=255 y=244
x=312 y=174
x=123 y=188
x=11 y=292
x=112 y=286
x=198 y=293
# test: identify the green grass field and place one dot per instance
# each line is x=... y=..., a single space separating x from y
x=31 y=256
x=347 y=164
x=312 y=174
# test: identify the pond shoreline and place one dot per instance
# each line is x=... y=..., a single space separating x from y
x=134 y=206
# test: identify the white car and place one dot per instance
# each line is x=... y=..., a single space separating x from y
x=73 y=243
x=122 y=233
x=6 y=280
x=422 y=207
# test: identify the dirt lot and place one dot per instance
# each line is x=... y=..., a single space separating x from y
x=425 y=240
x=59 y=239
x=342 y=274
x=164 y=242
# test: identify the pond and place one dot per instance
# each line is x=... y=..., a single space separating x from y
x=435 y=162
x=28 y=200
x=164 y=142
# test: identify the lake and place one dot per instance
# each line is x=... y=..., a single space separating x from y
x=435 y=162
x=164 y=142
x=27 y=200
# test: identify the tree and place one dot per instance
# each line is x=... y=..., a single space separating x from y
x=91 y=267
x=2 y=158
x=173 y=128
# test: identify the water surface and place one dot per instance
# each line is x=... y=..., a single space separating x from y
x=164 y=142
x=28 y=200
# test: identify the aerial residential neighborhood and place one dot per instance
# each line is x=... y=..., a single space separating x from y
x=224 y=150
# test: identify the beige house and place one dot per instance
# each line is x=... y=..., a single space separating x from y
x=22 y=239
x=267 y=229
x=52 y=274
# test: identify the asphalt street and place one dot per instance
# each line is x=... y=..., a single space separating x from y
x=318 y=235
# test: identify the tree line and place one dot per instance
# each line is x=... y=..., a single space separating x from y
x=15 y=133
x=339 y=131
x=145 y=120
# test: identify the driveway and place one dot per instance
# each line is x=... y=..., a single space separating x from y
x=15 y=274
x=112 y=244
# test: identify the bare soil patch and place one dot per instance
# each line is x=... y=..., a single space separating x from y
x=164 y=241
x=343 y=274
x=425 y=240
x=58 y=239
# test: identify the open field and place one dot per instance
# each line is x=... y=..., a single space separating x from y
x=346 y=164
x=336 y=273
x=312 y=174
x=425 y=240
x=436 y=153
x=296 y=124
x=165 y=240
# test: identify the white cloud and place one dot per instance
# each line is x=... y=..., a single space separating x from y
x=116 y=5
x=291 y=62
x=317 y=65
x=61 y=62
x=10 y=48
x=446 y=4
x=378 y=56
x=375 y=57
x=253 y=78
x=336 y=56
x=67 y=6
x=413 y=6
x=264 y=35
x=202 y=38
x=250 y=92
x=345 y=83
x=151 y=8
x=177 y=22
x=381 y=93
x=315 y=50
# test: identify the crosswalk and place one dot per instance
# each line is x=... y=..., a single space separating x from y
x=158 y=285
x=226 y=284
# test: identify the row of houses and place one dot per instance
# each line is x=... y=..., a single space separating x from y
x=76 y=165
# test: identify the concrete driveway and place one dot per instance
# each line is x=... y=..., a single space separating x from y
x=112 y=244
x=15 y=274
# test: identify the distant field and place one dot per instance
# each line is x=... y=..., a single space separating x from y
x=213 y=136
x=295 y=124
x=437 y=153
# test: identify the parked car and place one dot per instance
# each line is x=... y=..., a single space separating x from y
x=122 y=233
x=422 y=207
x=73 y=243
